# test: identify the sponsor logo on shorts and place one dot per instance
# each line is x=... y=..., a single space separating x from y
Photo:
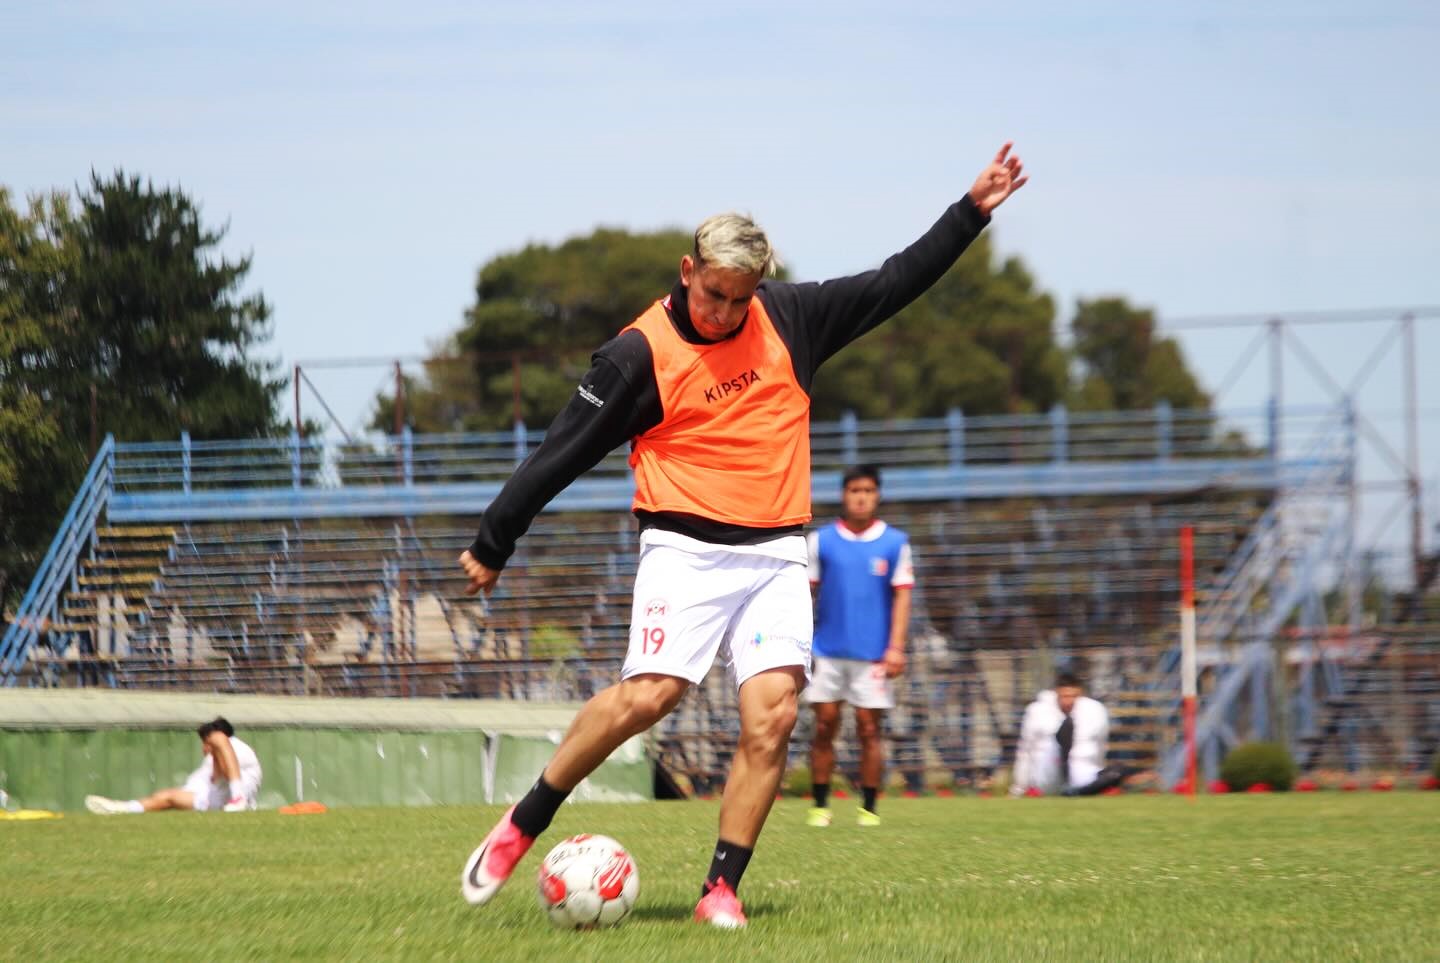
x=656 y=608
x=802 y=644
x=590 y=396
x=879 y=566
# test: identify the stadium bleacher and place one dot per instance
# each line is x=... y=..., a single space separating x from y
x=374 y=607
x=211 y=574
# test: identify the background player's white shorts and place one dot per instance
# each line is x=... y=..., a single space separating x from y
x=690 y=604
x=213 y=796
x=860 y=683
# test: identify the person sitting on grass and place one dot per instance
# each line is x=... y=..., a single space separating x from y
x=228 y=779
x=1063 y=741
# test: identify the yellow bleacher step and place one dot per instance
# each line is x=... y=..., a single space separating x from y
x=71 y=626
x=94 y=563
x=1134 y=732
x=1149 y=712
x=1137 y=695
x=134 y=578
x=62 y=626
x=1147 y=723
x=136 y=532
x=88 y=599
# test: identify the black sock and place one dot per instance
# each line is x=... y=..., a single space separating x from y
x=821 y=792
x=870 y=793
x=729 y=864
x=534 y=813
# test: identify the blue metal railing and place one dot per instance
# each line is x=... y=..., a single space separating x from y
x=955 y=440
x=1056 y=453
x=958 y=456
x=57 y=569
x=1327 y=466
x=1279 y=558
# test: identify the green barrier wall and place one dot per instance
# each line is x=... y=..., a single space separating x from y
x=49 y=759
x=625 y=776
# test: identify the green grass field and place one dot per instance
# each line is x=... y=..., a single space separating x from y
x=1280 y=877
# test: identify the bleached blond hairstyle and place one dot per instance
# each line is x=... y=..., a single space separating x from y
x=736 y=243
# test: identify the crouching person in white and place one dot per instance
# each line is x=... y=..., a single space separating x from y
x=1063 y=741
x=228 y=779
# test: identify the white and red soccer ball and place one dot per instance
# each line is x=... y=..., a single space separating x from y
x=588 y=881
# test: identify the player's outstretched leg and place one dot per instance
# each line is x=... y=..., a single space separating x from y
x=720 y=907
x=491 y=865
x=767 y=714
x=601 y=726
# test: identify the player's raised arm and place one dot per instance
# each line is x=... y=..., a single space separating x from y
x=1002 y=177
x=817 y=320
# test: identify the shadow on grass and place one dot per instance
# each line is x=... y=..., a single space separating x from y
x=671 y=912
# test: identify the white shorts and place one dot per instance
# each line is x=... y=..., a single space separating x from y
x=862 y=684
x=688 y=604
x=212 y=796
x=1046 y=771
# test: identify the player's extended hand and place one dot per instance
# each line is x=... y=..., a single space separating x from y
x=481 y=577
x=1003 y=177
x=894 y=663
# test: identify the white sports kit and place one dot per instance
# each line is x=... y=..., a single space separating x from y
x=210 y=795
x=694 y=598
x=860 y=683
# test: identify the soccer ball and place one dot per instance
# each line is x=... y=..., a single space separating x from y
x=588 y=881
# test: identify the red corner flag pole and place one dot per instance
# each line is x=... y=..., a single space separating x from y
x=1187 y=648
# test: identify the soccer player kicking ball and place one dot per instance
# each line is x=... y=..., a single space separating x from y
x=711 y=388
x=864 y=573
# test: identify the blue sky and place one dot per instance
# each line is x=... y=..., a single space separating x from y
x=1203 y=159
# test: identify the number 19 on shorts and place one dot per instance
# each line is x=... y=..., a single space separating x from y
x=651 y=638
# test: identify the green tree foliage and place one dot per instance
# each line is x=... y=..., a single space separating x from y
x=171 y=331
x=124 y=293
x=1125 y=365
x=982 y=339
x=39 y=463
x=544 y=308
x=446 y=398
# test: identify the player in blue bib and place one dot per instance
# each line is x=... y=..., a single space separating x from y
x=863 y=574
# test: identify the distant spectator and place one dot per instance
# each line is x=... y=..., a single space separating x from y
x=1063 y=741
x=228 y=779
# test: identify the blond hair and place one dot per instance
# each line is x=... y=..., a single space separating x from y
x=736 y=243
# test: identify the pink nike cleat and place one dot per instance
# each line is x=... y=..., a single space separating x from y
x=720 y=907
x=491 y=865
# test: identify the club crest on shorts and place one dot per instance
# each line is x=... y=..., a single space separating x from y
x=656 y=608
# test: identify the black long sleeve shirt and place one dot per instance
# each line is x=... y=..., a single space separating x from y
x=619 y=399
